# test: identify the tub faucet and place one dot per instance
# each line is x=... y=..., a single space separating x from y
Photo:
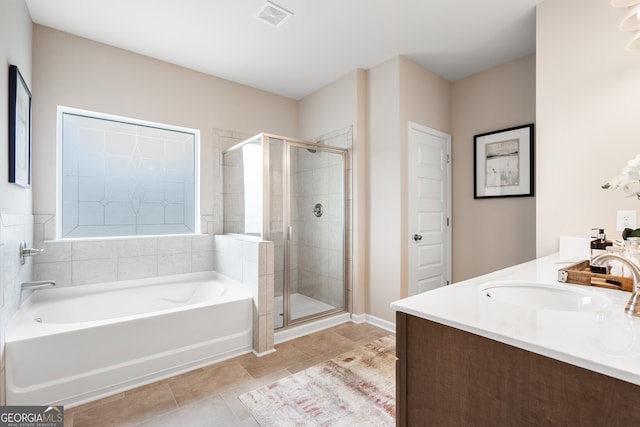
x=37 y=284
x=633 y=306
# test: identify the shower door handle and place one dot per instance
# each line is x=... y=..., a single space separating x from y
x=290 y=233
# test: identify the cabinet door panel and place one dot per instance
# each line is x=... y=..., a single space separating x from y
x=449 y=377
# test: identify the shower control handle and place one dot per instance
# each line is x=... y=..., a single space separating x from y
x=27 y=252
x=417 y=237
x=317 y=210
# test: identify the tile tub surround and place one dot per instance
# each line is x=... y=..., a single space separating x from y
x=211 y=393
x=250 y=260
x=89 y=261
x=80 y=262
x=13 y=229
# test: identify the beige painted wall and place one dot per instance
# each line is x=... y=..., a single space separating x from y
x=425 y=98
x=76 y=72
x=398 y=91
x=16 y=221
x=329 y=108
x=360 y=206
x=15 y=49
x=490 y=234
x=384 y=201
x=588 y=92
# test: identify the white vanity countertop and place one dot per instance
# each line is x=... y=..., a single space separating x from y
x=605 y=341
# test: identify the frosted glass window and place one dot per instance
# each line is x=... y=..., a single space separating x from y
x=121 y=177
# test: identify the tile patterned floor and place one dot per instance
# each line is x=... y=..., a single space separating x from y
x=209 y=396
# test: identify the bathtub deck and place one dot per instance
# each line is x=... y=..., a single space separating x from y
x=210 y=393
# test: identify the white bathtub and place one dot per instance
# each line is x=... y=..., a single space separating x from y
x=71 y=345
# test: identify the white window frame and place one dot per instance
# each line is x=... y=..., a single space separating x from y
x=93 y=114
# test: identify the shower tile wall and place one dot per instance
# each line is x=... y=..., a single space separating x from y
x=317 y=258
x=342 y=138
x=233 y=192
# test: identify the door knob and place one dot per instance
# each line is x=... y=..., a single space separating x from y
x=417 y=237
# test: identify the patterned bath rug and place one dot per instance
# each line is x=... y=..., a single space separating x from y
x=354 y=389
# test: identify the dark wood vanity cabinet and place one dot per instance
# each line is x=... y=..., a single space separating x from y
x=449 y=377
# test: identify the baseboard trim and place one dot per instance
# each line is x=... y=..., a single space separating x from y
x=264 y=353
x=375 y=321
x=319 y=325
x=309 y=328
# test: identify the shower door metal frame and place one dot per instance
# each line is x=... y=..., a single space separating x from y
x=266 y=214
x=286 y=163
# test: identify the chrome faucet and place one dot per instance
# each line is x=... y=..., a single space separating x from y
x=633 y=306
x=37 y=284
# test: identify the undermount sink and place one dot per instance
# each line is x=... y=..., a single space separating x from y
x=545 y=297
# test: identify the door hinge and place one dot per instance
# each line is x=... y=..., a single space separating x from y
x=447 y=283
x=448 y=158
x=447 y=221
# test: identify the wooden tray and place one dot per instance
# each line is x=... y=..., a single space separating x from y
x=581 y=275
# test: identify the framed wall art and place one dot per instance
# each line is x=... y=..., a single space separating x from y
x=19 y=129
x=503 y=163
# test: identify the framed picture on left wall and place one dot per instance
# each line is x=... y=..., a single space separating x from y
x=19 y=129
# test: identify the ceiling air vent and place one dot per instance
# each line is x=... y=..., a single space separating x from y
x=273 y=14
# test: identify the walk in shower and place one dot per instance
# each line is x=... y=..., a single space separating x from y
x=292 y=192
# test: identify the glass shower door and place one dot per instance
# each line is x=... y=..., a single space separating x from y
x=292 y=193
x=316 y=240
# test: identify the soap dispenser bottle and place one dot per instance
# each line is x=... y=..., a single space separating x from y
x=598 y=246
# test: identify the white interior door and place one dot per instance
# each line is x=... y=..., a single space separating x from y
x=429 y=171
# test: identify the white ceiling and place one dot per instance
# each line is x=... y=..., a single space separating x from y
x=324 y=40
